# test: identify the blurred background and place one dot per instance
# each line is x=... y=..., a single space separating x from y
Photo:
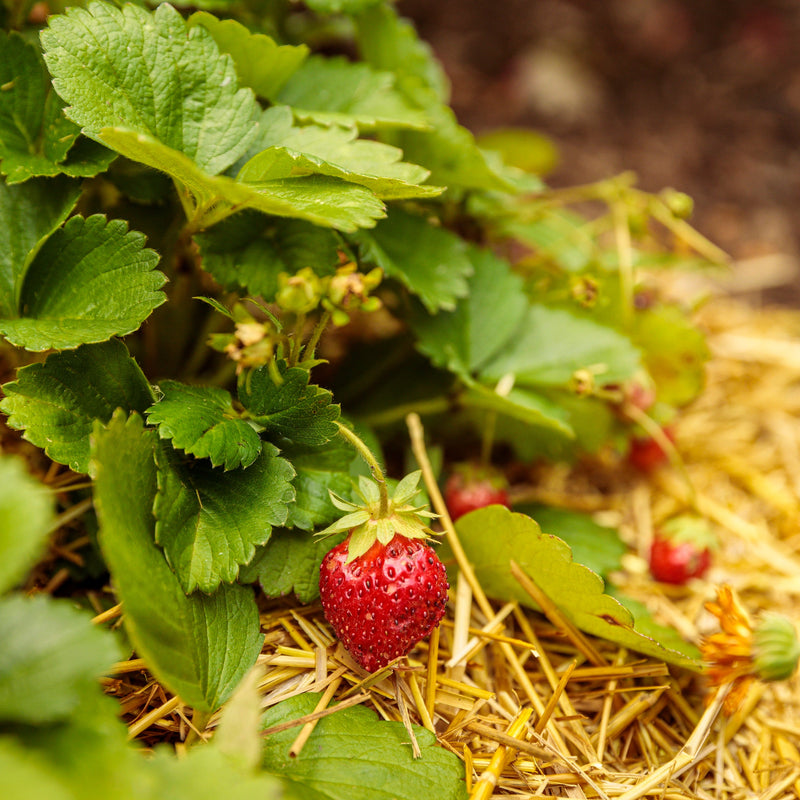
x=700 y=95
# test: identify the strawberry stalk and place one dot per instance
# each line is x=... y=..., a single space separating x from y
x=372 y=463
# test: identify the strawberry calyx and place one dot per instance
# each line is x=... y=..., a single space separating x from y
x=380 y=516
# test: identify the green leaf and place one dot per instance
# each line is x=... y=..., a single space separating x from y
x=91 y=280
x=352 y=755
x=28 y=215
x=202 y=421
x=289 y=563
x=56 y=402
x=26 y=774
x=288 y=151
x=321 y=200
x=482 y=324
x=492 y=537
x=296 y=410
x=199 y=646
x=319 y=471
x=247 y=251
x=552 y=345
x=209 y=522
x=260 y=62
x=337 y=91
x=674 y=351
x=51 y=658
x=237 y=736
x=595 y=546
x=150 y=74
x=26 y=515
x=340 y=6
x=435 y=269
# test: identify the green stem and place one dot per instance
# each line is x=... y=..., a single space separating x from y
x=297 y=341
x=200 y=720
x=373 y=464
x=379 y=419
x=311 y=346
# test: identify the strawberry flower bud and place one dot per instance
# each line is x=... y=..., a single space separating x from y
x=776 y=649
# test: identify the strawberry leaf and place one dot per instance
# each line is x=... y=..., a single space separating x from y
x=210 y=523
x=288 y=151
x=289 y=563
x=260 y=62
x=57 y=402
x=31 y=690
x=202 y=421
x=35 y=136
x=199 y=646
x=28 y=215
x=337 y=91
x=26 y=514
x=91 y=280
x=296 y=410
x=148 y=73
x=352 y=755
x=436 y=268
x=492 y=537
x=249 y=251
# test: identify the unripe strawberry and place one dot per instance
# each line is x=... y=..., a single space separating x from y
x=383 y=602
x=470 y=487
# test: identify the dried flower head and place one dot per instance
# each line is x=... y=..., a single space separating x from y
x=743 y=651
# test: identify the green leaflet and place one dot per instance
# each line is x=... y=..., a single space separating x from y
x=494 y=536
x=147 y=73
x=57 y=402
x=34 y=688
x=28 y=215
x=26 y=514
x=381 y=767
x=337 y=91
x=209 y=523
x=199 y=646
x=91 y=280
x=202 y=421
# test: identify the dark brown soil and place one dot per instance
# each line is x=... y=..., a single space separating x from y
x=701 y=95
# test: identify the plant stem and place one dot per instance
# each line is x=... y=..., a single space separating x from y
x=311 y=346
x=373 y=464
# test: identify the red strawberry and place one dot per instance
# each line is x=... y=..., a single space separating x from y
x=383 y=602
x=681 y=550
x=646 y=454
x=383 y=588
x=470 y=487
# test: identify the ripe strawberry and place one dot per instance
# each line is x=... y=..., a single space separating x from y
x=383 y=602
x=646 y=454
x=681 y=550
x=383 y=588
x=470 y=487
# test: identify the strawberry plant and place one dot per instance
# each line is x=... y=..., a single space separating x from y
x=230 y=238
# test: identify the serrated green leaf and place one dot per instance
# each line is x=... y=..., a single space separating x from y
x=435 y=268
x=26 y=514
x=674 y=353
x=319 y=199
x=200 y=646
x=380 y=767
x=494 y=536
x=56 y=403
x=202 y=421
x=595 y=546
x=284 y=150
x=35 y=687
x=91 y=280
x=260 y=62
x=148 y=73
x=551 y=345
x=28 y=215
x=337 y=91
x=249 y=251
x=209 y=522
x=482 y=324
x=296 y=410
x=289 y=563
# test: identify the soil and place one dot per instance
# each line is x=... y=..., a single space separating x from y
x=700 y=95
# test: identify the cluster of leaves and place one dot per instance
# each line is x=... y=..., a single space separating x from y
x=278 y=184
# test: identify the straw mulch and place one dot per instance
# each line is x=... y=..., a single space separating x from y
x=535 y=708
